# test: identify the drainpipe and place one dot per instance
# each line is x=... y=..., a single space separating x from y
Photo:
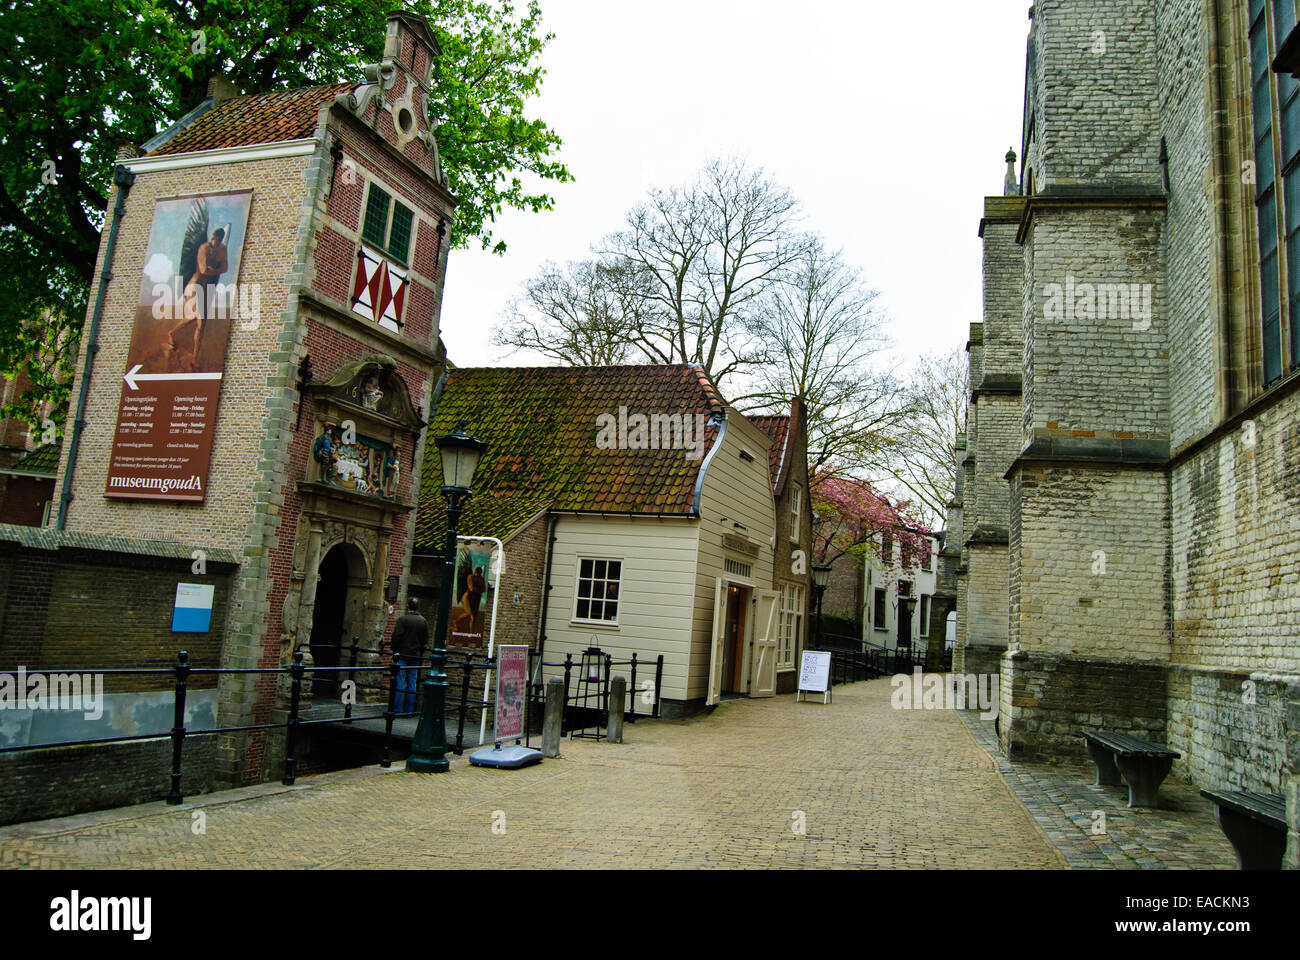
x=546 y=594
x=122 y=179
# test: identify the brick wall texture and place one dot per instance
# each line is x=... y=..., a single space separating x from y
x=300 y=251
x=1153 y=555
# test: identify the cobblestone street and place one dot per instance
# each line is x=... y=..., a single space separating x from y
x=877 y=788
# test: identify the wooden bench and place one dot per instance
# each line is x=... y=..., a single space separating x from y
x=1141 y=764
x=1255 y=824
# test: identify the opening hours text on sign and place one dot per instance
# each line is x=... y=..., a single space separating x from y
x=815 y=674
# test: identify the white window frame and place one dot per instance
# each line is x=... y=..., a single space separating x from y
x=792 y=618
x=884 y=624
x=394 y=198
x=796 y=511
x=577 y=582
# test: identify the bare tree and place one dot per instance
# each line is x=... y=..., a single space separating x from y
x=924 y=462
x=709 y=251
x=822 y=331
x=583 y=313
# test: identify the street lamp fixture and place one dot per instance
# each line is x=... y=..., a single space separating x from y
x=821 y=574
x=460 y=456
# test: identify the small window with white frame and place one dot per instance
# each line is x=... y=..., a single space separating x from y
x=796 y=509
x=388 y=224
x=597 y=593
x=790 y=632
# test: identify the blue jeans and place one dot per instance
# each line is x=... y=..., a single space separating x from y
x=404 y=699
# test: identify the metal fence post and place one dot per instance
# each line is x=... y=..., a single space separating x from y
x=609 y=666
x=659 y=683
x=352 y=676
x=178 y=725
x=387 y=760
x=291 y=726
x=568 y=669
x=466 y=669
x=631 y=713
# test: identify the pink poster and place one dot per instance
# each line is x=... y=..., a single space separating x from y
x=512 y=687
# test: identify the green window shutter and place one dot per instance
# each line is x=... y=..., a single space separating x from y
x=399 y=240
x=372 y=231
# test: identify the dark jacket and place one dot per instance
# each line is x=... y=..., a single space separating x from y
x=410 y=635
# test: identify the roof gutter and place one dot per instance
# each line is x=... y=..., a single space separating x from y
x=718 y=420
x=122 y=179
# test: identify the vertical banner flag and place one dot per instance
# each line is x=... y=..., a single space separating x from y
x=512 y=687
x=188 y=297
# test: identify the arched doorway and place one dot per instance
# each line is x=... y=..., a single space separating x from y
x=334 y=620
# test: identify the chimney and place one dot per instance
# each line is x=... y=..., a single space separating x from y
x=127 y=151
x=409 y=42
x=1011 y=186
x=220 y=89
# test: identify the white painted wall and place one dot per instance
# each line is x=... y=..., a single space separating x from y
x=658 y=583
x=924 y=583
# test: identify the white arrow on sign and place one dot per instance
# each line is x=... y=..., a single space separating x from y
x=132 y=377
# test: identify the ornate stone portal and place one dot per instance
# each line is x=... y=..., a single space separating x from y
x=363 y=421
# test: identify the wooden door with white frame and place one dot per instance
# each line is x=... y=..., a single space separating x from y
x=762 y=681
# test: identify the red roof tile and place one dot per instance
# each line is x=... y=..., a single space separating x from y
x=778 y=428
x=541 y=427
x=260 y=118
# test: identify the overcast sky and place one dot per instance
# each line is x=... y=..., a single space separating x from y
x=888 y=120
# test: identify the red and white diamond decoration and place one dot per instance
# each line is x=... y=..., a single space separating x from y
x=379 y=289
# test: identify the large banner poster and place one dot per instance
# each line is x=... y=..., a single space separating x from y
x=473 y=561
x=188 y=297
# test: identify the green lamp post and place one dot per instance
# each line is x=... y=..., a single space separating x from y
x=460 y=456
x=821 y=577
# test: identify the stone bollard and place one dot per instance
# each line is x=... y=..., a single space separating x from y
x=617 y=694
x=554 y=717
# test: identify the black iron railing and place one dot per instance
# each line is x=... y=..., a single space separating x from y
x=461 y=677
x=587 y=690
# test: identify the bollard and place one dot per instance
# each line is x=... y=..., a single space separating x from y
x=617 y=694
x=554 y=718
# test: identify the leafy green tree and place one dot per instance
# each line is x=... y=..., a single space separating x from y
x=83 y=76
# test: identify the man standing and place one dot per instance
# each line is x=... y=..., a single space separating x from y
x=410 y=637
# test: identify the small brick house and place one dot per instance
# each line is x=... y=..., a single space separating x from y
x=325 y=369
x=638 y=513
x=27 y=486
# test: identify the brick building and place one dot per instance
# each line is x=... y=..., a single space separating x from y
x=27 y=460
x=326 y=367
x=1131 y=544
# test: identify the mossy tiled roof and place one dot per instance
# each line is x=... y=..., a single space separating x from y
x=260 y=118
x=541 y=424
x=42 y=459
x=778 y=428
